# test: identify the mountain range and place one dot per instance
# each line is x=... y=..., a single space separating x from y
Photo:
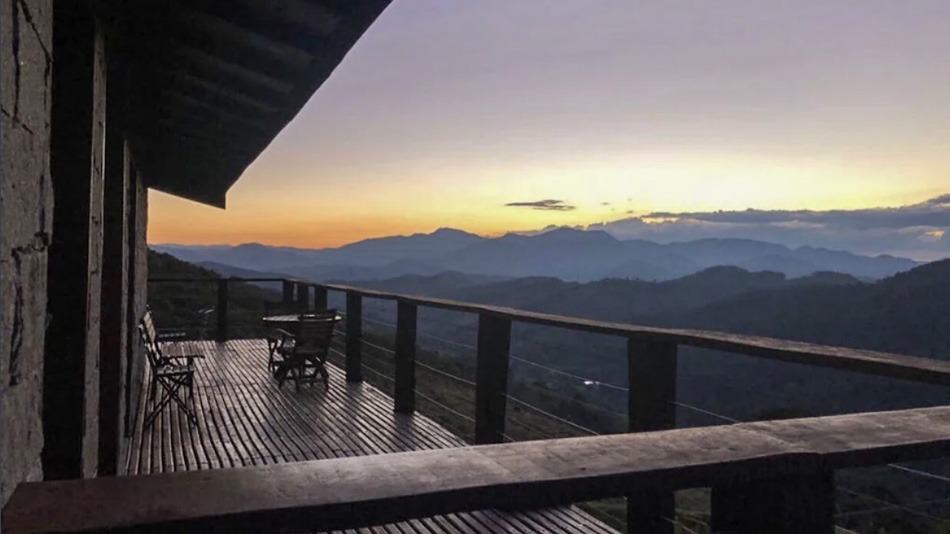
x=563 y=253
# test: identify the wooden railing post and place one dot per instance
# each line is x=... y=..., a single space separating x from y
x=303 y=297
x=354 y=337
x=491 y=378
x=405 y=379
x=783 y=505
x=221 y=333
x=319 y=298
x=652 y=380
x=287 y=297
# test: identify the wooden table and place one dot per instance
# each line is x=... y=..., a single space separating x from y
x=289 y=321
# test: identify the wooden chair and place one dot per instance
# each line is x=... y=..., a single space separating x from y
x=168 y=373
x=277 y=335
x=302 y=356
x=148 y=322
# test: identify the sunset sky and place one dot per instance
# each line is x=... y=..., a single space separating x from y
x=446 y=112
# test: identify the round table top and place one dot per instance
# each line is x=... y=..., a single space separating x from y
x=295 y=318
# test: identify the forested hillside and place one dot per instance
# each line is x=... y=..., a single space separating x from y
x=192 y=305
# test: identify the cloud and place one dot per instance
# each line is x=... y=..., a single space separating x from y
x=549 y=204
x=933 y=213
x=918 y=230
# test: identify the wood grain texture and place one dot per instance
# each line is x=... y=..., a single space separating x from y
x=368 y=490
x=405 y=369
x=651 y=365
x=245 y=420
x=491 y=379
x=354 y=338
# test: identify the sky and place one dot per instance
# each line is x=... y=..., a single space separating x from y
x=495 y=116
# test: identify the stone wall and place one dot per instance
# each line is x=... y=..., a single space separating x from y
x=26 y=210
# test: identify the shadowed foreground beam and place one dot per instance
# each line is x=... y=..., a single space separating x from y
x=362 y=491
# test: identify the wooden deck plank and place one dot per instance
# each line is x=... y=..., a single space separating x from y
x=244 y=419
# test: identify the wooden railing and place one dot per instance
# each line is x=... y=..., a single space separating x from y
x=651 y=357
x=772 y=476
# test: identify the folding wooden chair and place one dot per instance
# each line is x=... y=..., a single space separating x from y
x=168 y=375
x=157 y=336
x=302 y=356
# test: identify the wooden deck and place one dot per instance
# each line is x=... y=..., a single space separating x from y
x=246 y=420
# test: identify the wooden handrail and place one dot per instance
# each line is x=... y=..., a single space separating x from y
x=793 y=457
x=926 y=370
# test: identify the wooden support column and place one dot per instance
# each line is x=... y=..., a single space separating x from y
x=113 y=331
x=221 y=332
x=491 y=378
x=405 y=388
x=652 y=380
x=783 y=505
x=137 y=295
x=319 y=298
x=354 y=337
x=77 y=148
x=303 y=297
x=287 y=297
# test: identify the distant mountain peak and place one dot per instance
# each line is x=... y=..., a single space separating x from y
x=446 y=231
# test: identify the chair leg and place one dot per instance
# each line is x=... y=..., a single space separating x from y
x=326 y=377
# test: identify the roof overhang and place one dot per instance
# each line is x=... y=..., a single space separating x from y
x=212 y=82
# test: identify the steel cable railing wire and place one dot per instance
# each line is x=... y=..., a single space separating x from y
x=902 y=507
x=423 y=365
x=560 y=397
x=532 y=428
x=681 y=525
x=377 y=347
x=550 y=415
x=367 y=367
x=445 y=407
x=888 y=504
x=733 y=420
x=445 y=374
x=891 y=507
x=587 y=381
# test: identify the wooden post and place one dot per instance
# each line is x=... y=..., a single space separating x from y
x=319 y=298
x=222 y=331
x=76 y=111
x=113 y=334
x=491 y=378
x=287 y=300
x=652 y=380
x=784 y=505
x=303 y=297
x=354 y=337
x=405 y=388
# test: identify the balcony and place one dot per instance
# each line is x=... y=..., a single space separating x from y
x=371 y=454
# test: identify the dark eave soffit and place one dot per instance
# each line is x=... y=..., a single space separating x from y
x=212 y=82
